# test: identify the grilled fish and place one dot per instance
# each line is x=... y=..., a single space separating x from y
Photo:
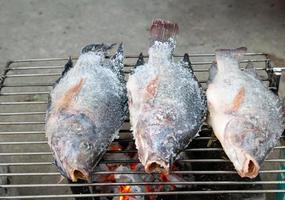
x=87 y=106
x=246 y=116
x=167 y=105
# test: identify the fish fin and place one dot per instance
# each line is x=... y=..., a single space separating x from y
x=237 y=101
x=151 y=88
x=140 y=60
x=97 y=48
x=162 y=30
x=212 y=72
x=118 y=60
x=186 y=62
x=67 y=67
x=251 y=70
x=67 y=98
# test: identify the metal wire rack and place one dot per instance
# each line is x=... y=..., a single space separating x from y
x=27 y=164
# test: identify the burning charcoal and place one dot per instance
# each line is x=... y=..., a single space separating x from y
x=128 y=178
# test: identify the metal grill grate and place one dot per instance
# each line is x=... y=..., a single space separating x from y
x=26 y=161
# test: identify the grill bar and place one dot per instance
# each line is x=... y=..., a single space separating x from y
x=145 y=194
x=126 y=66
x=21 y=132
x=20 y=123
x=135 y=161
x=22 y=102
x=32 y=75
x=149 y=183
x=29 y=85
x=115 y=151
x=125 y=151
x=130 y=56
x=137 y=172
x=21 y=143
x=19 y=166
x=23 y=113
x=37 y=67
x=22 y=93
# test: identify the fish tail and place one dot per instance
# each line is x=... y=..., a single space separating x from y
x=97 y=48
x=228 y=58
x=162 y=30
x=231 y=53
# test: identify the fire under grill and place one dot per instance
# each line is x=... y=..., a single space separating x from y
x=202 y=172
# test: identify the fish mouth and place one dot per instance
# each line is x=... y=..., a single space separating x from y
x=76 y=174
x=250 y=168
x=159 y=166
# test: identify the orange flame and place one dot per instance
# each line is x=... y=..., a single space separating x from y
x=125 y=189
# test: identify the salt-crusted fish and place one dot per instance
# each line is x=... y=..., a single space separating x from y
x=167 y=105
x=246 y=116
x=87 y=106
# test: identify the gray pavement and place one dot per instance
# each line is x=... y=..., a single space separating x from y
x=38 y=29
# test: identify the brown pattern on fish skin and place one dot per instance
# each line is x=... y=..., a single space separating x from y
x=238 y=99
x=67 y=99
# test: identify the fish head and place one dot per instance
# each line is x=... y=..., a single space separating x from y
x=156 y=141
x=245 y=145
x=76 y=158
x=75 y=147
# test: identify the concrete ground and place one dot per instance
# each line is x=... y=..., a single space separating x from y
x=44 y=29
x=39 y=29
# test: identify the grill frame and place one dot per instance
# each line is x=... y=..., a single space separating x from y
x=273 y=79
